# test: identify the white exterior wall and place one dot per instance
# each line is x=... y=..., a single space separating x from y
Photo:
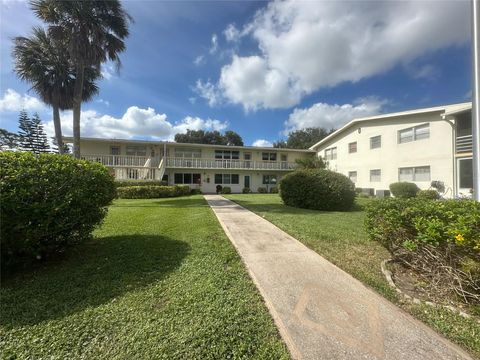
x=436 y=151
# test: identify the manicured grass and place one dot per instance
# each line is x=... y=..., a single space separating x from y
x=160 y=280
x=340 y=238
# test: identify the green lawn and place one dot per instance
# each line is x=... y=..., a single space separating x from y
x=159 y=280
x=340 y=238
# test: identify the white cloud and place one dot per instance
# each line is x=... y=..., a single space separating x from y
x=135 y=122
x=214 y=46
x=104 y=102
x=199 y=60
x=426 y=72
x=108 y=71
x=307 y=45
x=13 y=101
x=262 y=143
x=208 y=91
x=232 y=34
x=332 y=116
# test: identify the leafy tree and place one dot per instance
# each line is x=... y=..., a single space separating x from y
x=9 y=140
x=280 y=144
x=94 y=32
x=46 y=64
x=230 y=138
x=311 y=162
x=304 y=138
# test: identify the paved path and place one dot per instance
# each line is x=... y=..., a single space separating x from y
x=321 y=311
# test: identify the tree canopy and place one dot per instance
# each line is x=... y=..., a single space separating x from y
x=304 y=138
x=229 y=138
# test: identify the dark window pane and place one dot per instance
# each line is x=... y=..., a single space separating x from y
x=235 y=179
x=265 y=156
x=226 y=179
x=273 y=156
x=187 y=178
x=196 y=178
x=265 y=179
x=465 y=172
x=178 y=178
x=218 y=154
x=235 y=155
x=218 y=178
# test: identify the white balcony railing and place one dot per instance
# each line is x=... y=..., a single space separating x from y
x=228 y=164
x=121 y=161
x=464 y=144
x=118 y=160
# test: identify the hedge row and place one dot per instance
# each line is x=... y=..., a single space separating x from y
x=152 y=191
x=49 y=203
x=441 y=239
x=125 y=183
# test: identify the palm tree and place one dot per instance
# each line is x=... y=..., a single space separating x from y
x=46 y=65
x=94 y=30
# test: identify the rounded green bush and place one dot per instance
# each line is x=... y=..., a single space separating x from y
x=226 y=190
x=262 y=190
x=274 y=190
x=317 y=189
x=428 y=194
x=124 y=183
x=404 y=189
x=246 y=190
x=48 y=203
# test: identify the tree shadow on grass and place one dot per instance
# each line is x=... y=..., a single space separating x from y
x=93 y=274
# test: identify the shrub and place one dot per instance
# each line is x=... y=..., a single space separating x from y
x=226 y=190
x=262 y=190
x=317 y=189
x=152 y=192
x=246 y=190
x=139 y=183
x=439 y=239
x=49 y=203
x=274 y=190
x=428 y=194
x=195 y=192
x=404 y=189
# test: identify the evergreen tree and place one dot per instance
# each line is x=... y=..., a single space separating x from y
x=39 y=135
x=26 y=132
x=9 y=140
x=66 y=149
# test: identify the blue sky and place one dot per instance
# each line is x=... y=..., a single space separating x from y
x=261 y=69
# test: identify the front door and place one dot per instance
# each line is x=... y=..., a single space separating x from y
x=246 y=181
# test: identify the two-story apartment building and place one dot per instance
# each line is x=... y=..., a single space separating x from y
x=420 y=146
x=197 y=165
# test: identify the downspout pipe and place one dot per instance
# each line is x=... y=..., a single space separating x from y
x=454 y=165
x=476 y=97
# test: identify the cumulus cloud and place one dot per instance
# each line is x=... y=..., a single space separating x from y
x=232 y=34
x=307 y=45
x=199 y=60
x=262 y=143
x=13 y=101
x=134 y=123
x=332 y=116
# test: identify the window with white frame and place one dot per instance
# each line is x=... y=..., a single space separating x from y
x=376 y=142
x=266 y=156
x=188 y=153
x=331 y=153
x=186 y=178
x=136 y=150
x=352 y=147
x=414 y=173
x=269 y=179
x=375 y=175
x=352 y=175
x=227 y=154
x=227 y=179
x=414 y=133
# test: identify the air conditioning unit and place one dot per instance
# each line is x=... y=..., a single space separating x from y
x=383 y=193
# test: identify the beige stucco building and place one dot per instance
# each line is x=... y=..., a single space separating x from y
x=420 y=146
x=197 y=165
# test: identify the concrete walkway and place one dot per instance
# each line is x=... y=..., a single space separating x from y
x=321 y=311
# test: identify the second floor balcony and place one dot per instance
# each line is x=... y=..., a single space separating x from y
x=118 y=161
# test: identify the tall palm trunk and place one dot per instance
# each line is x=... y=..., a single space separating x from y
x=77 y=106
